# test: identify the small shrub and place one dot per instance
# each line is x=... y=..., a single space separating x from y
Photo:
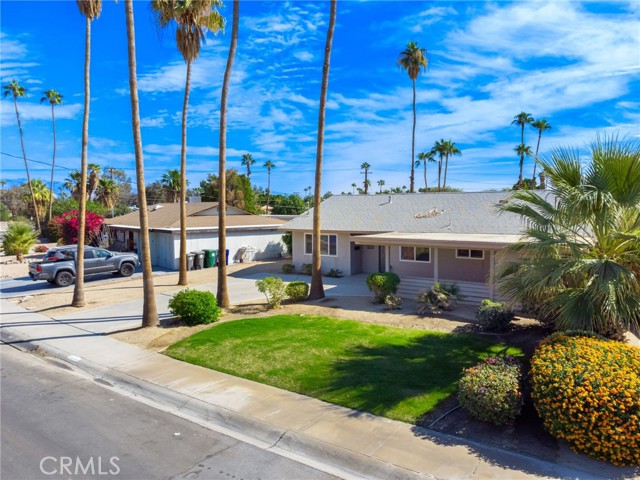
x=587 y=392
x=490 y=391
x=335 y=273
x=383 y=284
x=438 y=298
x=41 y=249
x=19 y=239
x=273 y=289
x=305 y=269
x=297 y=291
x=393 y=302
x=494 y=316
x=288 y=268
x=194 y=307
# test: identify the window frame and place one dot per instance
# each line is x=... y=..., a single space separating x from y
x=415 y=260
x=328 y=243
x=469 y=257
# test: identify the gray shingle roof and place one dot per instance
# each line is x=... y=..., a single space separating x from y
x=460 y=212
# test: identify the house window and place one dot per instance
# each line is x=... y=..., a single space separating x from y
x=415 y=254
x=328 y=245
x=469 y=253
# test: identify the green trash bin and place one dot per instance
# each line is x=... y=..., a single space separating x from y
x=209 y=258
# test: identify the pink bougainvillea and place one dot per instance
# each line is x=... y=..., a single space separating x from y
x=67 y=224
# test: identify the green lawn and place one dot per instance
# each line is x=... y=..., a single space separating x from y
x=394 y=372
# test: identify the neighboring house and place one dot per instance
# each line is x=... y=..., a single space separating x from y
x=249 y=237
x=428 y=237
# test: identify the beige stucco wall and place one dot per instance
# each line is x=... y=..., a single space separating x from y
x=462 y=269
x=409 y=269
x=341 y=261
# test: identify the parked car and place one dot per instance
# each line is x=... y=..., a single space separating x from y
x=59 y=264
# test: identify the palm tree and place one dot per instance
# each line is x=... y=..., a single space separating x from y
x=450 y=149
x=354 y=185
x=365 y=166
x=524 y=151
x=223 y=292
x=107 y=193
x=522 y=119
x=438 y=149
x=413 y=59
x=380 y=184
x=149 y=309
x=423 y=158
x=269 y=165
x=172 y=181
x=19 y=239
x=42 y=195
x=91 y=9
x=16 y=90
x=579 y=264
x=316 y=290
x=72 y=183
x=94 y=171
x=54 y=98
x=193 y=19
x=542 y=126
x=247 y=160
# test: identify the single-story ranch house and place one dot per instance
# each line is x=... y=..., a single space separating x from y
x=249 y=237
x=422 y=237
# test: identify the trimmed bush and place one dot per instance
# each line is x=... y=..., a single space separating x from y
x=297 y=291
x=494 y=316
x=305 y=269
x=288 y=268
x=587 y=392
x=490 y=391
x=273 y=289
x=393 y=302
x=438 y=298
x=383 y=284
x=194 y=307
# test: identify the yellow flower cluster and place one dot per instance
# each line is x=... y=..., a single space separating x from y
x=587 y=391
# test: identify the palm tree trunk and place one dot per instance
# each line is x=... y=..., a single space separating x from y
x=439 y=173
x=521 y=156
x=317 y=288
x=446 y=167
x=223 y=292
x=53 y=165
x=78 y=291
x=182 y=276
x=26 y=165
x=149 y=309
x=535 y=163
x=426 y=188
x=268 y=188
x=413 y=139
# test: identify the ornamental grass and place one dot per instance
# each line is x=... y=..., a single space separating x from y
x=587 y=391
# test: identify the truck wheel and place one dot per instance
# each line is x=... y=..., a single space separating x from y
x=127 y=269
x=64 y=279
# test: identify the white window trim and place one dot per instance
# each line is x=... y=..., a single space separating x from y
x=328 y=244
x=470 y=257
x=414 y=254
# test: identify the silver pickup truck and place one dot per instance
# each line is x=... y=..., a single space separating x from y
x=59 y=265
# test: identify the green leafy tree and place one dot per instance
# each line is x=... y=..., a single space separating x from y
x=413 y=60
x=54 y=98
x=541 y=125
x=579 y=265
x=20 y=237
x=522 y=119
x=239 y=192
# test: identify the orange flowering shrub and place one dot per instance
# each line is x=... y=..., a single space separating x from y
x=587 y=391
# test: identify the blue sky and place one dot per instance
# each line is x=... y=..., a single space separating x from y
x=574 y=63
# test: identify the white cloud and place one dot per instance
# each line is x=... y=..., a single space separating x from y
x=36 y=111
x=303 y=56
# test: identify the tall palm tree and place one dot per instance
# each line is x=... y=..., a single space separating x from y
x=93 y=171
x=223 y=292
x=354 y=185
x=172 y=181
x=381 y=184
x=149 y=309
x=107 y=192
x=316 y=290
x=450 y=149
x=523 y=151
x=91 y=10
x=54 y=98
x=438 y=149
x=247 y=160
x=16 y=90
x=365 y=166
x=423 y=159
x=193 y=19
x=522 y=119
x=413 y=59
x=269 y=165
x=579 y=265
x=542 y=126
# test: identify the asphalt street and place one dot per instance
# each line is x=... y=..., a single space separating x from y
x=57 y=424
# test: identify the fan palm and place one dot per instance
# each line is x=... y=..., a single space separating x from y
x=41 y=195
x=193 y=19
x=365 y=166
x=222 y=293
x=423 y=158
x=580 y=259
x=247 y=160
x=149 y=308
x=269 y=165
x=450 y=149
x=172 y=181
x=439 y=149
x=54 y=98
x=542 y=126
x=523 y=151
x=413 y=59
x=20 y=237
x=107 y=192
x=381 y=184
x=522 y=119
x=16 y=90
x=316 y=291
x=94 y=171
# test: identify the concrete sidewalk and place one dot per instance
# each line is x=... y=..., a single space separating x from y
x=346 y=442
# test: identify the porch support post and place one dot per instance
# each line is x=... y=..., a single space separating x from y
x=492 y=271
x=435 y=264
